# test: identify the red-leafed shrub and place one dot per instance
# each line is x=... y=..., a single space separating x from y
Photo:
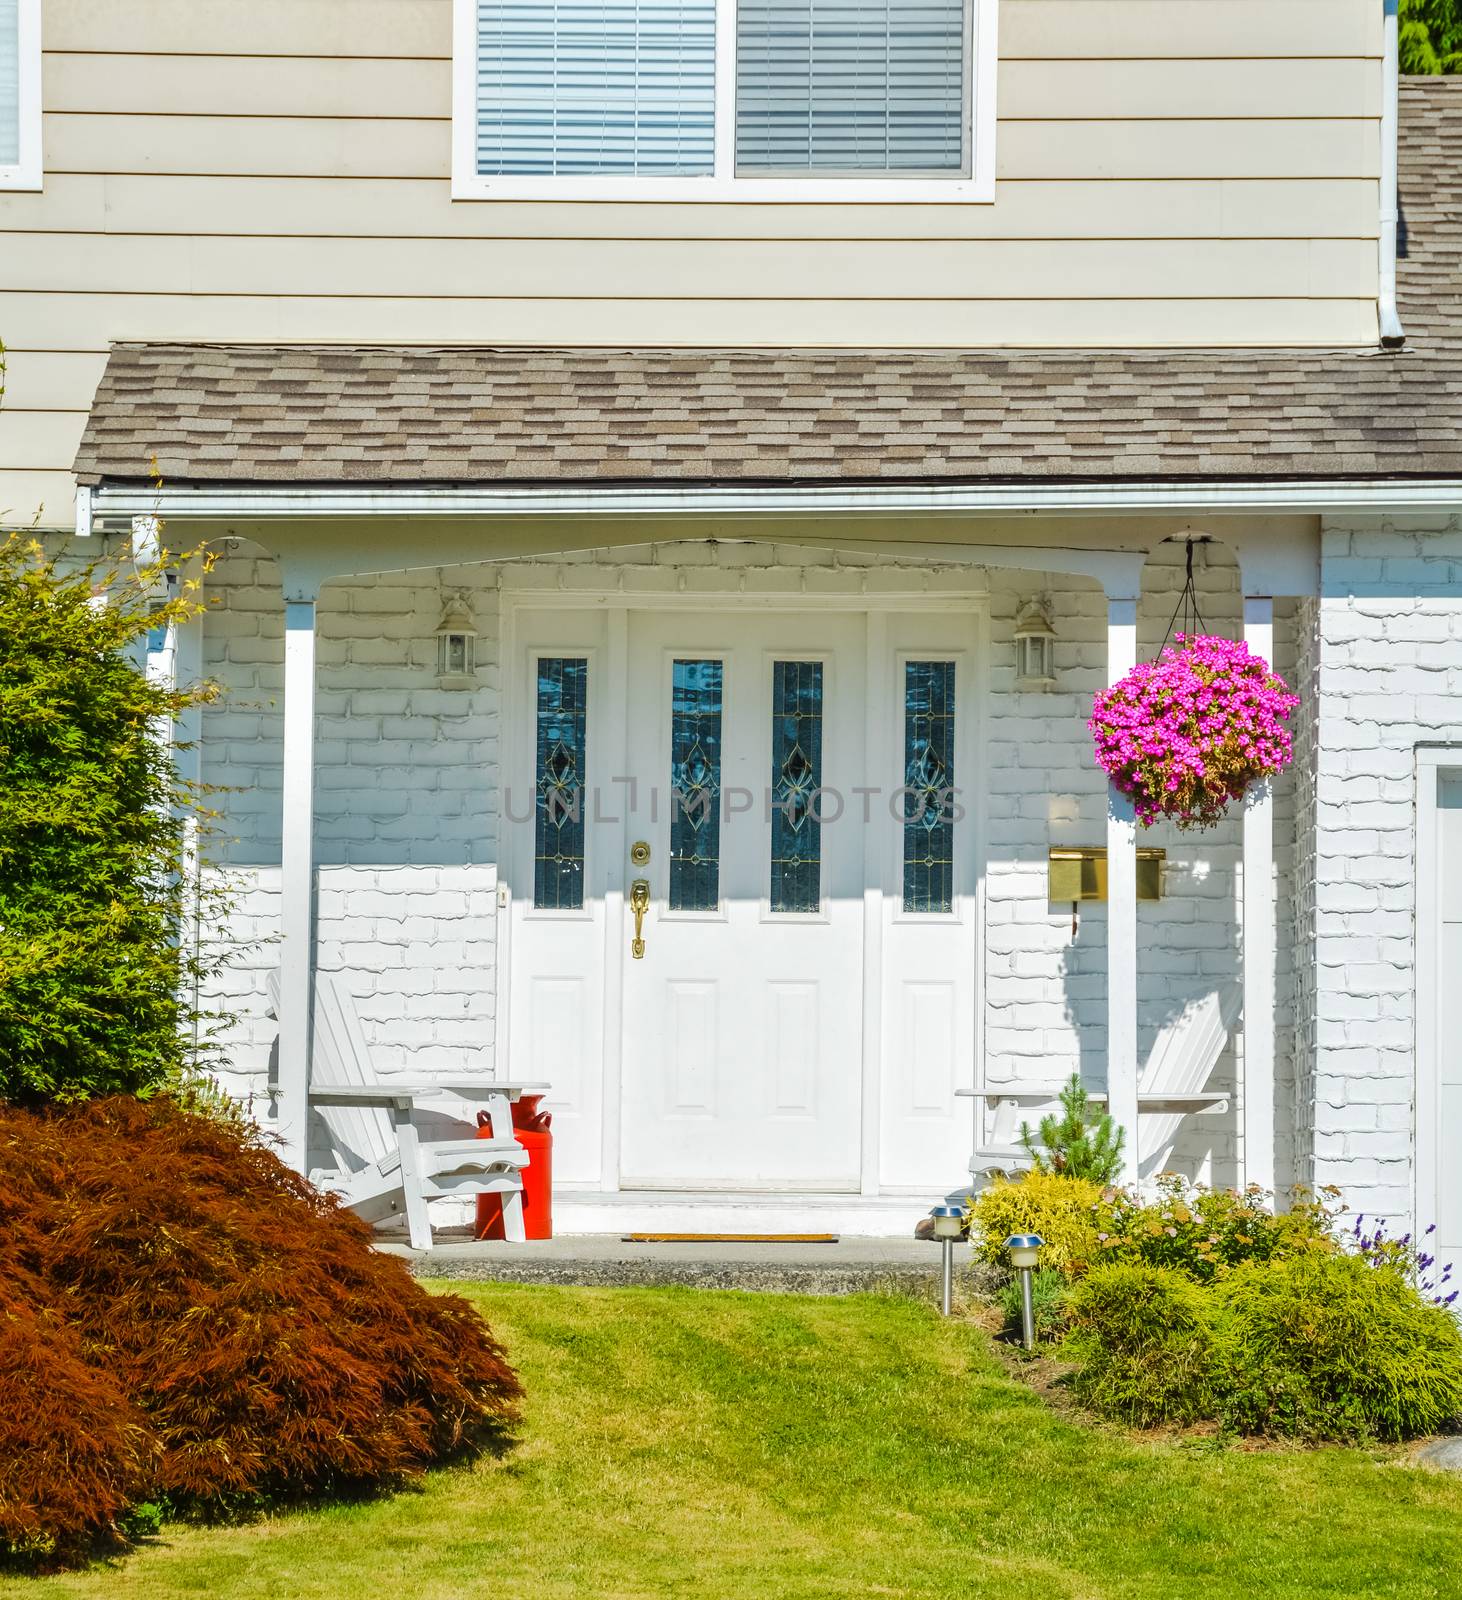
x=272 y=1354
x=75 y=1454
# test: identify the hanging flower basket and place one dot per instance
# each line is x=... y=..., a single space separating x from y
x=1187 y=733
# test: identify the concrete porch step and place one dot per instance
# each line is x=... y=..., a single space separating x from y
x=851 y=1266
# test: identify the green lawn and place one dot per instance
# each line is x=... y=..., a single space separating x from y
x=680 y=1442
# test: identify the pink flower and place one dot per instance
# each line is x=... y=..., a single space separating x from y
x=1187 y=733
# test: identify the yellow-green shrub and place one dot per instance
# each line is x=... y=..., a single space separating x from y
x=1066 y=1212
x=1146 y=1344
x=1331 y=1347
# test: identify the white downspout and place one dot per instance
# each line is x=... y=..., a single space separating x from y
x=1393 y=335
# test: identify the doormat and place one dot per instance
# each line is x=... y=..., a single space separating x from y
x=730 y=1238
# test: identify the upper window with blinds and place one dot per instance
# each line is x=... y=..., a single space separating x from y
x=20 y=94
x=877 y=100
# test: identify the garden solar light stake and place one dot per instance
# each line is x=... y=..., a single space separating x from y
x=948 y=1226
x=1025 y=1254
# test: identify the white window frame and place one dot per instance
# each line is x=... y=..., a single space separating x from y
x=25 y=173
x=981 y=42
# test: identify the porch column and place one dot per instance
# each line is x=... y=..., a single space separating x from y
x=1122 y=907
x=296 y=911
x=1259 y=941
x=184 y=652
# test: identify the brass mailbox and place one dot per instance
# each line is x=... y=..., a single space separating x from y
x=1079 y=872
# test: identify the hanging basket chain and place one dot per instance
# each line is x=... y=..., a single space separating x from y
x=1187 y=607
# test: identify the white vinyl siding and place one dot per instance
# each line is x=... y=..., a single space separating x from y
x=575 y=87
x=850 y=86
x=20 y=108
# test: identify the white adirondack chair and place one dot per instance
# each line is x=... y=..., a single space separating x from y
x=1171 y=1087
x=382 y=1167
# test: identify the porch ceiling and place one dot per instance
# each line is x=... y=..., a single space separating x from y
x=411 y=415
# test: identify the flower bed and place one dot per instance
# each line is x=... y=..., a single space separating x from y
x=1184 y=735
x=1204 y=1305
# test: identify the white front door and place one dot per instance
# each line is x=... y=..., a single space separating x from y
x=742 y=1038
x=792 y=787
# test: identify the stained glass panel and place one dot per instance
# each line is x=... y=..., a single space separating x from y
x=695 y=786
x=929 y=794
x=558 y=839
x=796 y=778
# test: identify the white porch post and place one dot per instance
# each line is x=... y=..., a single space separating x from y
x=1122 y=907
x=1259 y=940
x=296 y=912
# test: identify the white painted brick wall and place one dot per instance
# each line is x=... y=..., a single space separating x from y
x=1046 y=993
x=1389 y=677
x=405 y=810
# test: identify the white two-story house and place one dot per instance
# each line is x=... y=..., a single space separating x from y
x=656 y=445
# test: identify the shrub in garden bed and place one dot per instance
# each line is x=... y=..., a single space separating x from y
x=229 y=1337
x=1313 y=1347
x=1203 y=1232
x=1331 y=1347
x=1066 y=1212
x=1145 y=1341
x=1204 y=1305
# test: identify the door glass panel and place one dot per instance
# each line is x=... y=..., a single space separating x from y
x=796 y=778
x=558 y=839
x=695 y=786
x=929 y=786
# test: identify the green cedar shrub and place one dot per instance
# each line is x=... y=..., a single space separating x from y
x=1145 y=1341
x=1331 y=1347
x=1078 y=1143
x=97 y=958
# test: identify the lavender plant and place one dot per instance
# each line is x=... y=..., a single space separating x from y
x=1412 y=1257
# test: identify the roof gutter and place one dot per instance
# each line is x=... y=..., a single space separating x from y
x=113 y=505
x=1393 y=335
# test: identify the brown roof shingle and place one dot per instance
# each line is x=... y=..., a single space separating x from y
x=329 y=413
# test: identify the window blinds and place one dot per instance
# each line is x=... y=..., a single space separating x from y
x=855 y=86
x=9 y=82
x=575 y=87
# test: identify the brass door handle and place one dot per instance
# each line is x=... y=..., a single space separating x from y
x=639 y=903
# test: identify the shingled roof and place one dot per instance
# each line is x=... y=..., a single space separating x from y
x=333 y=414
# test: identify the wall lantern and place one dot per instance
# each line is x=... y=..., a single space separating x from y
x=456 y=645
x=1035 y=641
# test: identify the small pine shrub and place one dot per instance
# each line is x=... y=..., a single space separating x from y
x=1050 y=1292
x=263 y=1351
x=1331 y=1347
x=1146 y=1343
x=1066 y=1212
x=1079 y=1143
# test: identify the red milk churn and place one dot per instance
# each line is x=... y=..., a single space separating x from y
x=531 y=1129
